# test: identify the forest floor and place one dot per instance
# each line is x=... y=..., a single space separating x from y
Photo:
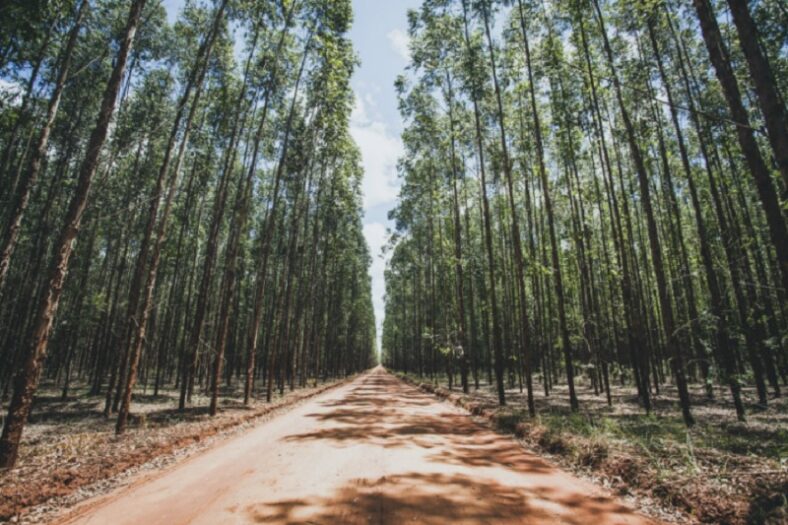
x=720 y=471
x=376 y=451
x=70 y=453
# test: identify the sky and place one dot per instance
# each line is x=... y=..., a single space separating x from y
x=380 y=38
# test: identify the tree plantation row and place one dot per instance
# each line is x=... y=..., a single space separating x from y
x=180 y=203
x=596 y=189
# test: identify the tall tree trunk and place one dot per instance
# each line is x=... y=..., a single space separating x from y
x=666 y=307
x=720 y=59
x=271 y=218
x=717 y=297
x=548 y=204
x=143 y=314
x=772 y=104
x=11 y=233
x=496 y=324
x=638 y=351
x=27 y=379
x=515 y=232
x=458 y=266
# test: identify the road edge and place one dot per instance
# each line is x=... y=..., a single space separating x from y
x=133 y=477
x=486 y=418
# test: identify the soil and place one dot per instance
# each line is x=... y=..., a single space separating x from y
x=375 y=451
x=721 y=471
x=70 y=453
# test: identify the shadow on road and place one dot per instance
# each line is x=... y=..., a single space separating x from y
x=471 y=474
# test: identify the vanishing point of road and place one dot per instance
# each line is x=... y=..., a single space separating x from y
x=374 y=451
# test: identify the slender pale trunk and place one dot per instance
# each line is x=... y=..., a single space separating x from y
x=515 y=230
x=717 y=297
x=548 y=204
x=488 y=238
x=666 y=307
x=458 y=268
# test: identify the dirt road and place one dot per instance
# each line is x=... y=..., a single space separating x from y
x=374 y=451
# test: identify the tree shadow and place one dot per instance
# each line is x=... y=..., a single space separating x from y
x=189 y=413
x=433 y=499
x=63 y=412
x=384 y=412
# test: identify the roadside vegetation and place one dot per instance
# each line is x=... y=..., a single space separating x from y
x=70 y=451
x=591 y=236
x=180 y=218
x=718 y=471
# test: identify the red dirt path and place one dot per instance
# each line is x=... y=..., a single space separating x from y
x=376 y=451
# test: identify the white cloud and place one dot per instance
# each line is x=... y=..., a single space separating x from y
x=400 y=42
x=10 y=92
x=173 y=8
x=379 y=152
x=375 y=233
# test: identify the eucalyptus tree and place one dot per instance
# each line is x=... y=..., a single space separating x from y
x=718 y=302
x=437 y=53
x=548 y=206
x=475 y=85
x=11 y=234
x=27 y=381
x=613 y=222
x=215 y=147
x=149 y=256
x=719 y=56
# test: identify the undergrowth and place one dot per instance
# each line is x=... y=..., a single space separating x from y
x=719 y=471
